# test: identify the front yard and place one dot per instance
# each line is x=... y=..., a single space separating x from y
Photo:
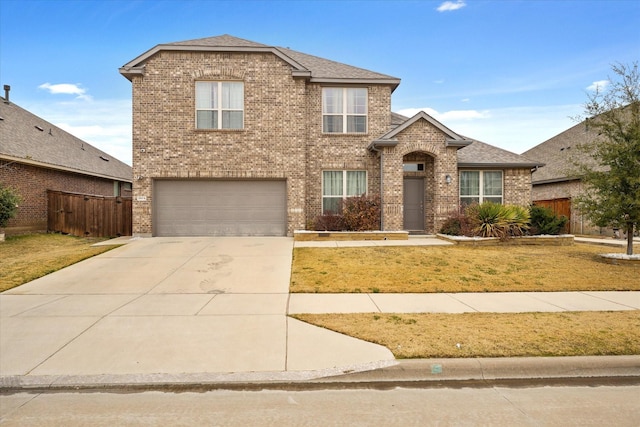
x=460 y=269
x=474 y=269
x=25 y=258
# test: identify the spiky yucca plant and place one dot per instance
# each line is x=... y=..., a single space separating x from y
x=495 y=220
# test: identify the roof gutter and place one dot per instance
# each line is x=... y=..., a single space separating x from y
x=377 y=144
x=63 y=168
x=459 y=143
x=498 y=165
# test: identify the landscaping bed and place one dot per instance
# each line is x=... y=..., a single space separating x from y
x=306 y=236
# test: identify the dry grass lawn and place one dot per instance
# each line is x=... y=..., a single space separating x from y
x=491 y=334
x=460 y=269
x=25 y=258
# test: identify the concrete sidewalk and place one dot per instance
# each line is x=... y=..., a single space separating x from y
x=214 y=310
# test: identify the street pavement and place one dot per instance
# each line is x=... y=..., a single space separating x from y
x=169 y=311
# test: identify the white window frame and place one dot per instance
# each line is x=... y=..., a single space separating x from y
x=344 y=194
x=344 y=113
x=218 y=105
x=481 y=196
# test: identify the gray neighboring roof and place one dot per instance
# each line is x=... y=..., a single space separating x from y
x=29 y=139
x=398 y=119
x=303 y=65
x=481 y=155
x=559 y=153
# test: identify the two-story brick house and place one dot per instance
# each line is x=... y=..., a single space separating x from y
x=233 y=137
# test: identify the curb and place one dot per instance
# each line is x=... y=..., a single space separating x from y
x=409 y=373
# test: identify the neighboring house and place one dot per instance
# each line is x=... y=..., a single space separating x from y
x=233 y=137
x=553 y=184
x=36 y=156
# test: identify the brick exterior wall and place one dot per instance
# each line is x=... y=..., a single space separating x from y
x=342 y=151
x=167 y=145
x=421 y=140
x=282 y=138
x=32 y=183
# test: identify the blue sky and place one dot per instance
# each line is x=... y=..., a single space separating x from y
x=511 y=73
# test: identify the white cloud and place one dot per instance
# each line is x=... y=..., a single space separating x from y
x=516 y=129
x=67 y=89
x=599 y=86
x=448 y=6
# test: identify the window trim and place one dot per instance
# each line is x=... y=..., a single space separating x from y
x=219 y=109
x=345 y=114
x=417 y=164
x=481 y=196
x=344 y=195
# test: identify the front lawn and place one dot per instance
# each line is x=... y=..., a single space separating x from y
x=27 y=257
x=491 y=334
x=459 y=269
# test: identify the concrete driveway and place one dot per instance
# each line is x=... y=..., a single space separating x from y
x=158 y=308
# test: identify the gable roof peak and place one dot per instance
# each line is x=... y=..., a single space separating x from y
x=224 y=40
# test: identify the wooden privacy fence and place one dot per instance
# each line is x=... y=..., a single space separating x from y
x=88 y=216
x=561 y=207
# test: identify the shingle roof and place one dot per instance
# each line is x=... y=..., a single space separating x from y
x=303 y=65
x=27 y=138
x=479 y=154
x=559 y=153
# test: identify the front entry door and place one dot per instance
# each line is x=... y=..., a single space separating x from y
x=413 y=204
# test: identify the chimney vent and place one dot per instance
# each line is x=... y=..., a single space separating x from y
x=7 y=88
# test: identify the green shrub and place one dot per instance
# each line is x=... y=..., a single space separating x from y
x=9 y=200
x=545 y=221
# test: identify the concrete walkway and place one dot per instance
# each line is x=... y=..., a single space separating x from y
x=210 y=309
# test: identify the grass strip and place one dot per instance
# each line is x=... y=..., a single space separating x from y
x=27 y=257
x=459 y=269
x=491 y=334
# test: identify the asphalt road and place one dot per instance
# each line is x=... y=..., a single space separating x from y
x=497 y=406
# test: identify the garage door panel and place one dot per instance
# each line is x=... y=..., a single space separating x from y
x=219 y=208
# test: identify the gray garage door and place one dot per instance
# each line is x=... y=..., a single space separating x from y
x=219 y=208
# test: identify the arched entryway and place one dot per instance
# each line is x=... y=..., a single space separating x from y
x=418 y=188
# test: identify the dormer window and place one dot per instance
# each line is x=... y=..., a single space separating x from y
x=219 y=105
x=344 y=110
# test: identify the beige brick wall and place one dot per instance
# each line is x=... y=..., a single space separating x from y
x=343 y=151
x=167 y=145
x=282 y=139
x=421 y=140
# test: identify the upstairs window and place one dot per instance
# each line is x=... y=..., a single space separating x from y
x=344 y=110
x=480 y=186
x=219 y=105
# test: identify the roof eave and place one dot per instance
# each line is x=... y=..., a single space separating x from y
x=498 y=165
x=131 y=72
x=554 y=180
x=381 y=143
x=342 y=81
x=459 y=143
x=135 y=63
x=62 y=168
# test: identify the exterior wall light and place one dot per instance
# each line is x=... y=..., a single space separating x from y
x=447 y=179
